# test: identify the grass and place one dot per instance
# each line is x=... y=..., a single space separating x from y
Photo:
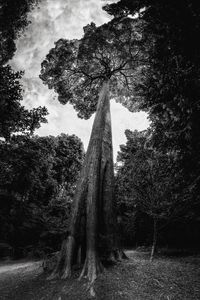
x=169 y=278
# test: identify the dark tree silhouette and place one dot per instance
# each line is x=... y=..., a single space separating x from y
x=37 y=180
x=14 y=118
x=171 y=90
x=147 y=182
x=87 y=73
x=13 y=20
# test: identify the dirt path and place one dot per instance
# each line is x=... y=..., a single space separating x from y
x=14 y=277
x=14 y=268
x=134 y=279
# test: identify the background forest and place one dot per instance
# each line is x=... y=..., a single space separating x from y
x=157 y=173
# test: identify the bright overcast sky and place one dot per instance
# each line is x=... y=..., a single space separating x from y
x=57 y=19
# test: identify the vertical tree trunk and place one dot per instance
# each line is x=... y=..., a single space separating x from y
x=93 y=198
x=154 y=239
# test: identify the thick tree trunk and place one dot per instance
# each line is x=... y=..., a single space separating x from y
x=93 y=200
x=154 y=239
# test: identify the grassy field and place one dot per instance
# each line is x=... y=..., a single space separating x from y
x=169 y=278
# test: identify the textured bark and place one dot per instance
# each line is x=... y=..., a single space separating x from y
x=93 y=200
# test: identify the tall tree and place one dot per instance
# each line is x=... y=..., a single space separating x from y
x=86 y=73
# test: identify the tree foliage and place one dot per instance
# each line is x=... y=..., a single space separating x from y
x=37 y=184
x=76 y=69
x=14 y=117
x=148 y=191
x=149 y=176
x=13 y=20
x=171 y=87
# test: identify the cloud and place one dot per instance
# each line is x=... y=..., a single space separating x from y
x=51 y=21
x=56 y=19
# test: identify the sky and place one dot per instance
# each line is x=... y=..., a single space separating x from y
x=52 y=20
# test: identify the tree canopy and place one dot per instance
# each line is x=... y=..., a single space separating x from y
x=76 y=69
x=171 y=87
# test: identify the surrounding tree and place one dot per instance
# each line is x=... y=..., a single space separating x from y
x=68 y=159
x=171 y=87
x=147 y=182
x=14 y=118
x=86 y=73
x=13 y=20
x=30 y=180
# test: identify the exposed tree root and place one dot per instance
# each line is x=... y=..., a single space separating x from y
x=60 y=262
x=92 y=267
x=69 y=257
x=64 y=263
